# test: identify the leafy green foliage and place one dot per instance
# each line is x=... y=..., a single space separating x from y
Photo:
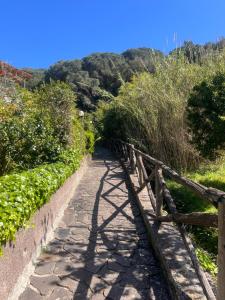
x=207 y=261
x=148 y=109
x=57 y=105
x=38 y=78
x=100 y=75
x=199 y=53
x=40 y=128
x=206 y=115
x=26 y=144
x=36 y=127
x=109 y=121
x=23 y=193
x=90 y=141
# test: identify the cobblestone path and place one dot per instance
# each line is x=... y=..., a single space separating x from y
x=100 y=249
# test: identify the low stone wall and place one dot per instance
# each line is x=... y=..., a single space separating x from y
x=18 y=260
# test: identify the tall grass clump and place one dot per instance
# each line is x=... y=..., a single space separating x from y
x=150 y=111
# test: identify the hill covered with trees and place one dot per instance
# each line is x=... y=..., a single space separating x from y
x=100 y=75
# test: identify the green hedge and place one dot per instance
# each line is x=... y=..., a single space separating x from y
x=21 y=195
x=90 y=141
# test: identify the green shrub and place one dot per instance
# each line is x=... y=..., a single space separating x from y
x=206 y=115
x=24 y=193
x=90 y=141
x=150 y=111
x=207 y=261
x=39 y=132
x=26 y=143
x=149 y=108
x=35 y=128
x=110 y=121
x=57 y=105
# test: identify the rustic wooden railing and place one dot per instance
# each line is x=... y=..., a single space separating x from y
x=151 y=172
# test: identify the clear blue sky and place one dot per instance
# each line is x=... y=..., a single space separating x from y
x=38 y=33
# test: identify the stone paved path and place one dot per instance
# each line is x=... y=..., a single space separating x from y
x=100 y=249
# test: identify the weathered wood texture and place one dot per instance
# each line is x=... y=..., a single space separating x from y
x=210 y=194
x=195 y=218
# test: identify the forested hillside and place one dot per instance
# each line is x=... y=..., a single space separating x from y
x=100 y=75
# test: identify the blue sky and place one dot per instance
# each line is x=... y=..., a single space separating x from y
x=37 y=33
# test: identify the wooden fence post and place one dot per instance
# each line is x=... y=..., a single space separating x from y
x=139 y=168
x=132 y=159
x=158 y=191
x=126 y=153
x=221 y=251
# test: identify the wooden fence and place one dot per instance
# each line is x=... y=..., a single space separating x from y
x=151 y=172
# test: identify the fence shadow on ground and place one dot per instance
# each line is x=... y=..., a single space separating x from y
x=112 y=256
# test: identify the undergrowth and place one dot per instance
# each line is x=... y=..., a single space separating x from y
x=205 y=239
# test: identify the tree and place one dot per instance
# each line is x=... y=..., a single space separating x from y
x=37 y=127
x=206 y=115
x=100 y=75
x=57 y=104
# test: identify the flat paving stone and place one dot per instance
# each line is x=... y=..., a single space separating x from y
x=44 y=284
x=60 y=293
x=100 y=249
x=44 y=267
x=29 y=294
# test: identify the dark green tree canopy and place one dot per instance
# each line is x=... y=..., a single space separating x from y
x=206 y=115
x=98 y=76
x=196 y=53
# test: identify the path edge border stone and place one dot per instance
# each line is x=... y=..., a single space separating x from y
x=19 y=258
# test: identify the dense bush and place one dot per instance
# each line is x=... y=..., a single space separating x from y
x=206 y=115
x=110 y=121
x=23 y=193
x=90 y=141
x=36 y=127
x=7 y=88
x=150 y=111
x=41 y=132
x=57 y=105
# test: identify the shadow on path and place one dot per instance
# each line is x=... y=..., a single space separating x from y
x=101 y=249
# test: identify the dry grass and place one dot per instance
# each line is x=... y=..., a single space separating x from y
x=155 y=109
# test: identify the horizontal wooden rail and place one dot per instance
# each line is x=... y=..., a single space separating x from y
x=210 y=194
x=195 y=218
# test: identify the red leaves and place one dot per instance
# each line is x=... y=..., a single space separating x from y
x=13 y=73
